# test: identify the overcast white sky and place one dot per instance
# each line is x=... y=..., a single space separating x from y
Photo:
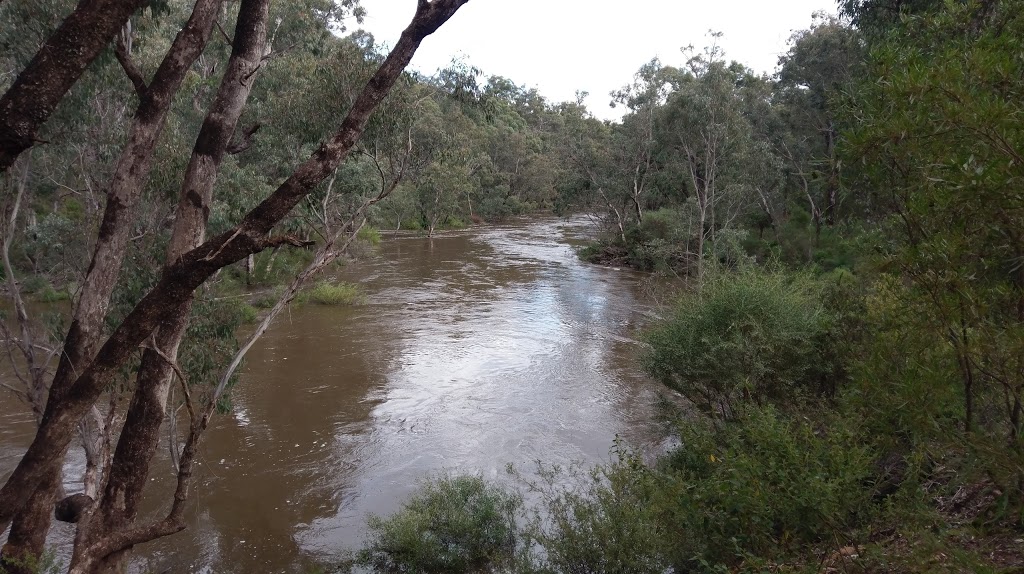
x=560 y=46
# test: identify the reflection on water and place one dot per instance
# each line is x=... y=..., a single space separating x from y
x=474 y=350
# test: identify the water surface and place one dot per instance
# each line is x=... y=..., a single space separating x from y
x=475 y=349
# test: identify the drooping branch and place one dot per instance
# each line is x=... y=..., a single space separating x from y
x=325 y=255
x=58 y=64
x=171 y=293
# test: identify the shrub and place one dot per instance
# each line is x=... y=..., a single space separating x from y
x=453 y=222
x=247 y=313
x=452 y=524
x=369 y=234
x=603 y=522
x=48 y=294
x=327 y=293
x=749 y=336
x=412 y=224
x=273 y=267
x=34 y=284
x=760 y=489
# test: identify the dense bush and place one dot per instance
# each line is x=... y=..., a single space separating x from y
x=452 y=525
x=762 y=489
x=746 y=337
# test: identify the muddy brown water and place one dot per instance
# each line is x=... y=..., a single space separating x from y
x=474 y=349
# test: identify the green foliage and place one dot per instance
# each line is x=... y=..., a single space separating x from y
x=35 y=284
x=247 y=313
x=761 y=488
x=45 y=564
x=328 y=293
x=370 y=235
x=453 y=222
x=938 y=141
x=746 y=337
x=457 y=524
x=50 y=295
x=273 y=268
x=736 y=497
x=603 y=521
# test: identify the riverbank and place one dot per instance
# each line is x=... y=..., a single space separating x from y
x=790 y=458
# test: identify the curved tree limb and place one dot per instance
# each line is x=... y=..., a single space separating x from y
x=55 y=68
x=172 y=292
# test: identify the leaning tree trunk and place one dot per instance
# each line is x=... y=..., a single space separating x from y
x=170 y=295
x=58 y=64
x=129 y=470
x=84 y=336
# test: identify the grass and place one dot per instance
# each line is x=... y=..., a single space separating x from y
x=370 y=235
x=327 y=293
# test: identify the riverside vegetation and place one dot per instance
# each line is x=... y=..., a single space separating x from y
x=849 y=343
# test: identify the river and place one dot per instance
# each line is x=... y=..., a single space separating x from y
x=473 y=350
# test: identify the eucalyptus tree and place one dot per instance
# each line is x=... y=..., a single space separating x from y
x=821 y=62
x=80 y=382
x=592 y=180
x=635 y=144
x=707 y=125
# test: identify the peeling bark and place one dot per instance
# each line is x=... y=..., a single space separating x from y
x=141 y=432
x=169 y=298
x=85 y=334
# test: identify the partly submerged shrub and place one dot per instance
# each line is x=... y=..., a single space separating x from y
x=452 y=524
x=369 y=235
x=600 y=520
x=327 y=293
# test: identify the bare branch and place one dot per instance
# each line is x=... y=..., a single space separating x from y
x=21 y=394
x=134 y=74
x=224 y=34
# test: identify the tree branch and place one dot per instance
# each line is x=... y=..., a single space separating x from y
x=58 y=64
x=246 y=141
x=175 y=287
x=130 y=70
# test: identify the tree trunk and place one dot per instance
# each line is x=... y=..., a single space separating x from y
x=58 y=64
x=833 y=179
x=28 y=534
x=250 y=268
x=130 y=174
x=141 y=432
x=167 y=299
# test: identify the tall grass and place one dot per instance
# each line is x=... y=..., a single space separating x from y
x=328 y=293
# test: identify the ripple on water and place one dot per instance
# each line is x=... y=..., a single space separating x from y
x=475 y=349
